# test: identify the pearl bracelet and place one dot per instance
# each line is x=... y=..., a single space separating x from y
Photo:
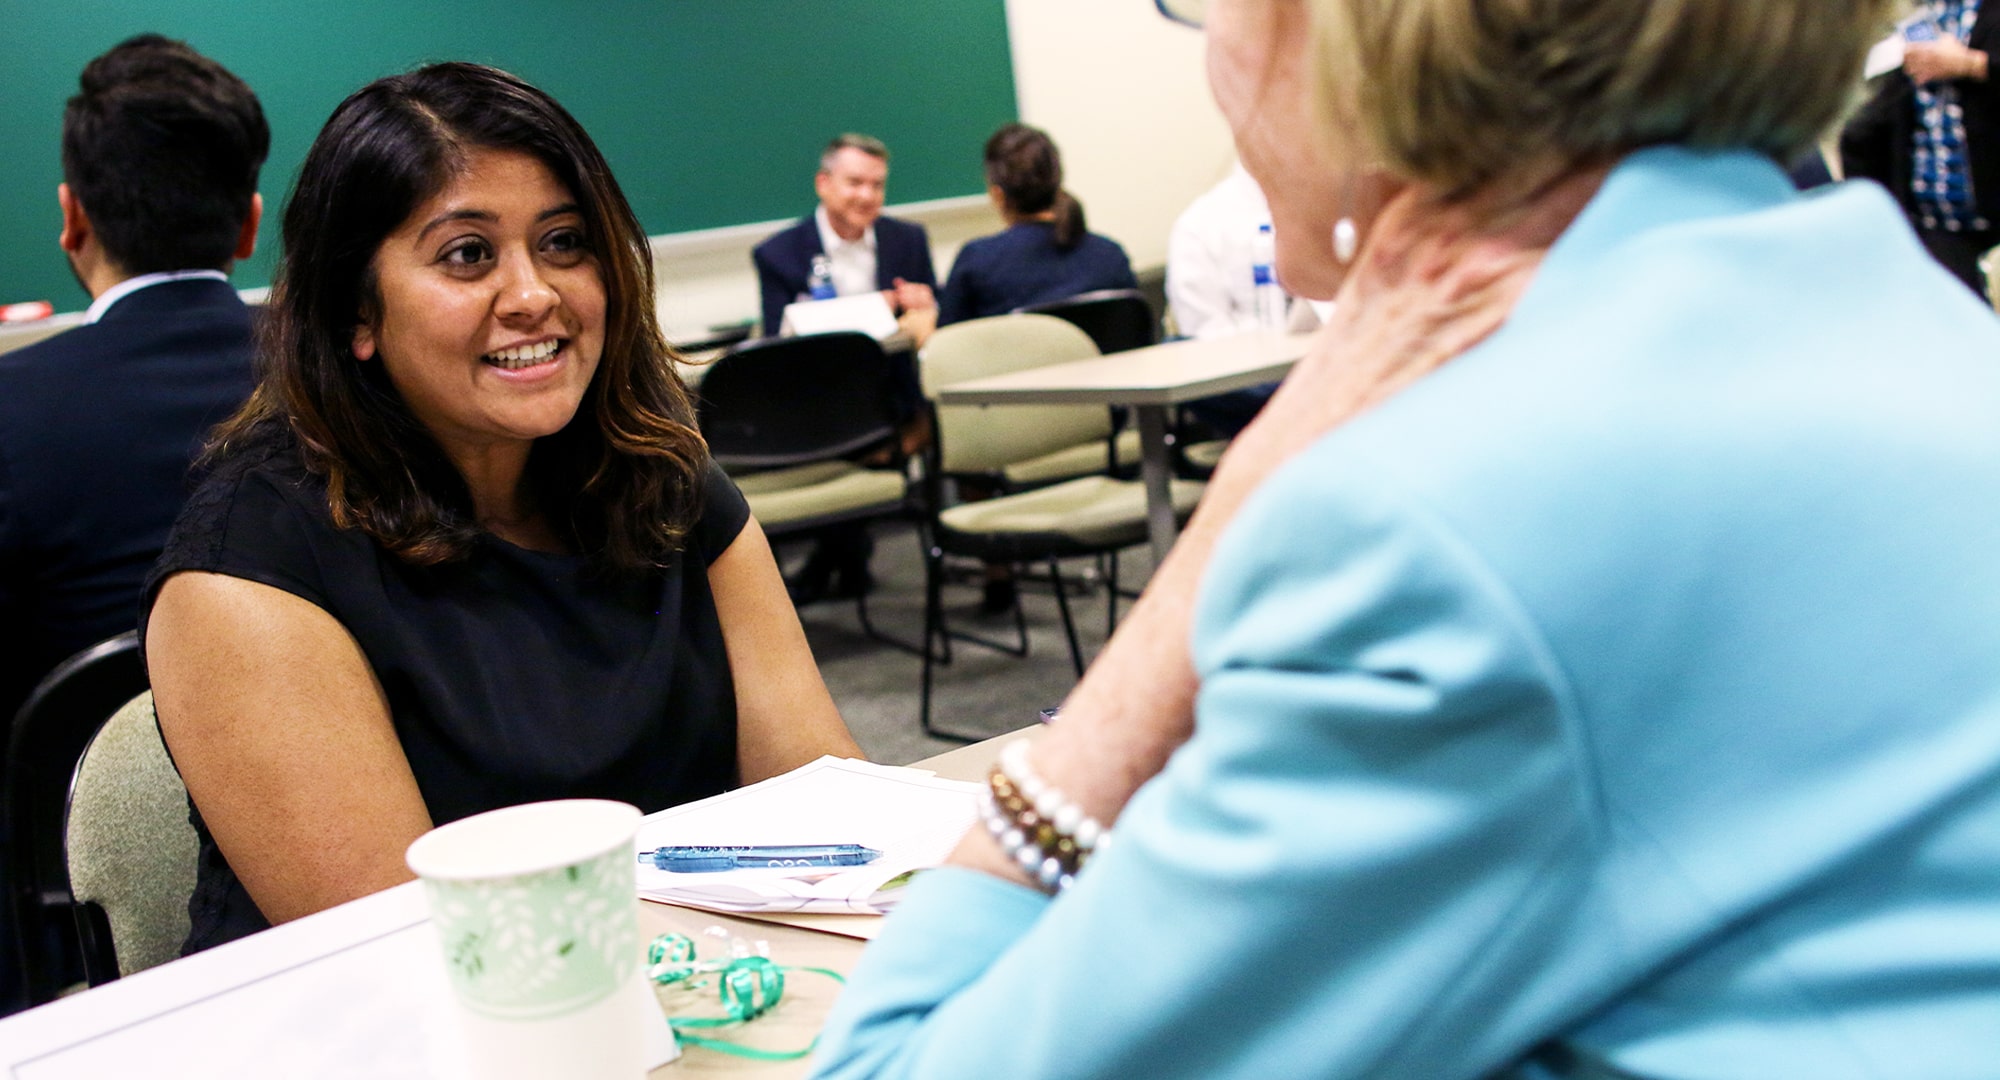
x=1045 y=833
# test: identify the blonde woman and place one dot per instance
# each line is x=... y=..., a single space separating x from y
x=1610 y=693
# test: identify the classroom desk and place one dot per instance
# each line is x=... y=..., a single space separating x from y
x=1149 y=381
x=45 y=1042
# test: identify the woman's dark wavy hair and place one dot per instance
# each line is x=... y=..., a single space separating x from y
x=620 y=482
x=1025 y=165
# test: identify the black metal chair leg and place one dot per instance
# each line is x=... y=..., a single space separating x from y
x=1020 y=646
x=1110 y=594
x=935 y=630
x=1069 y=627
x=868 y=628
x=1020 y=612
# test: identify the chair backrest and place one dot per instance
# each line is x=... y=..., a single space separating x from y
x=977 y=439
x=131 y=851
x=775 y=402
x=1116 y=319
x=47 y=740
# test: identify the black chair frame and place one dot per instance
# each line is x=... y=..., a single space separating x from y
x=55 y=935
x=774 y=403
x=1116 y=319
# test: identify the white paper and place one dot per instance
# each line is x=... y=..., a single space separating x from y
x=909 y=815
x=1886 y=56
x=866 y=312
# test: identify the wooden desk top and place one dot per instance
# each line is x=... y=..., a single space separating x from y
x=1166 y=374
x=807 y=997
x=175 y=1020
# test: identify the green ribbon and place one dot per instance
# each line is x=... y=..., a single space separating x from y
x=748 y=987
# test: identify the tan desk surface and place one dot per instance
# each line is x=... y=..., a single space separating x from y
x=1166 y=374
x=807 y=997
x=110 y=1023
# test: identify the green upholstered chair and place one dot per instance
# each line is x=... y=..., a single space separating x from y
x=1087 y=516
x=130 y=849
x=1204 y=456
x=47 y=740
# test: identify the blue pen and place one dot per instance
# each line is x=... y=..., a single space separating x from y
x=703 y=860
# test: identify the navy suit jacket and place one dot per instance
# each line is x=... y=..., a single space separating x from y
x=784 y=261
x=97 y=428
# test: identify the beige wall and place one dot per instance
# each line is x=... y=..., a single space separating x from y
x=1124 y=93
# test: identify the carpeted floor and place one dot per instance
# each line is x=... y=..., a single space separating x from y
x=981 y=692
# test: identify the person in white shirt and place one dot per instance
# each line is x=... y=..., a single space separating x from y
x=1211 y=288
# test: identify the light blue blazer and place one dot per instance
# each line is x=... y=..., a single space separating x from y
x=1623 y=699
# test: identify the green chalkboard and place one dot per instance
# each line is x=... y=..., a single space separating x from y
x=711 y=112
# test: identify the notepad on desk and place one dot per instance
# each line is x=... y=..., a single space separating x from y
x=868 y=313
x=910 y=815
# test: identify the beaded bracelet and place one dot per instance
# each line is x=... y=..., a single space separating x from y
x=1045 y=833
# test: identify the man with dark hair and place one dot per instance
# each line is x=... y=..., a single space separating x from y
x=161 y=149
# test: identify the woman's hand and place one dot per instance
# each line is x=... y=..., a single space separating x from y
x=1432 y=281
x=1945 y=58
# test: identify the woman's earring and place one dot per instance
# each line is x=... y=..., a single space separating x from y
x=1346 y=240
x=1346 y=234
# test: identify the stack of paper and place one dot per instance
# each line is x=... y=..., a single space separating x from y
x=910 y=815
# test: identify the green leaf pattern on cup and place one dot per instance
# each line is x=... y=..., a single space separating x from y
x=540 y=945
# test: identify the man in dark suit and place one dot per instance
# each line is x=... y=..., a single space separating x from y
x=160 y=151
x=863 y=251
x=161 y=148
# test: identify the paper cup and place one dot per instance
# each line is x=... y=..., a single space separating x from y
x=536 y=909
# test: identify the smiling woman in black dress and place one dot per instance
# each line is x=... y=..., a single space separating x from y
x=464 y=547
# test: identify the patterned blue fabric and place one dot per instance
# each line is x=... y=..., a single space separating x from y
x=1941 y=177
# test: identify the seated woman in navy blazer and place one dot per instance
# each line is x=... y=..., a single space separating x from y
x=1046 y=252
x=464 y=547
x=1585 y=666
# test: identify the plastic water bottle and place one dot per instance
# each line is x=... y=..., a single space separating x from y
x=820 y=284
x=1269 y=295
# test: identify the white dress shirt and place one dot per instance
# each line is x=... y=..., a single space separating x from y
x=131 y=285
x=853 y=261
x=1210 y=254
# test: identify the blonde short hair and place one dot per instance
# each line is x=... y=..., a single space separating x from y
x=1473 y=94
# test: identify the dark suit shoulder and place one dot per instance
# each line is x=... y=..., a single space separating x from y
x=904 y=228
x=903 y=250
x=138 y=391
x=799 y=236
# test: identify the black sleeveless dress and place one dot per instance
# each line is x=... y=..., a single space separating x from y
x=512 y=675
